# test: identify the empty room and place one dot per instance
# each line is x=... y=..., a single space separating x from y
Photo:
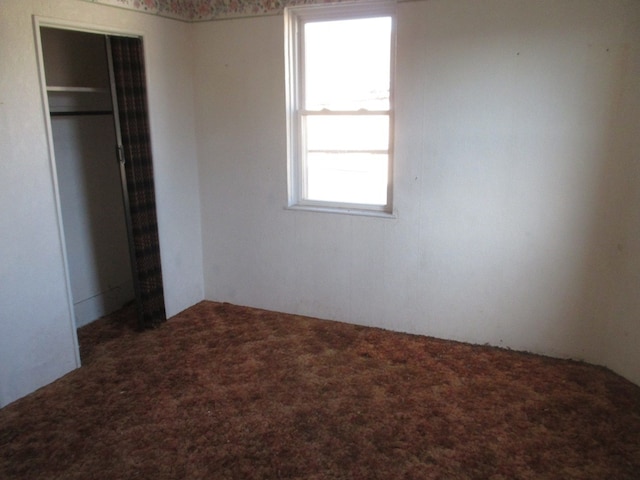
x=305 y=239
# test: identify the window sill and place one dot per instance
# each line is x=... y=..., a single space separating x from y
x=342 y=210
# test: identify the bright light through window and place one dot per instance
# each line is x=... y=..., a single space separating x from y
x=347 y=64
x=340 y=106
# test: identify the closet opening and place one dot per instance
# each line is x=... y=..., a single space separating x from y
x=103 y=172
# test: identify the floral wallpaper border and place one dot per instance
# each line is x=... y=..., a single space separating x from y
x=203 y=10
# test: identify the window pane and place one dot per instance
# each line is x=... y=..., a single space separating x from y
x=347 y=177
x=347 y=64
x=347 y=132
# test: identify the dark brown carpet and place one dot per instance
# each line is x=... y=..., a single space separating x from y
x=226 y=392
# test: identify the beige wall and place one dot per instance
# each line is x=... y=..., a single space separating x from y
x=37 y=339
x=516 y=177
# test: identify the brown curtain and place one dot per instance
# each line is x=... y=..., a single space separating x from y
x=130 y=86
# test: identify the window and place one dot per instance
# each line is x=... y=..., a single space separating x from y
x=340 y=106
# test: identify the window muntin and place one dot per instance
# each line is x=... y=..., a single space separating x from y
x=347 y=132
x=340 y=106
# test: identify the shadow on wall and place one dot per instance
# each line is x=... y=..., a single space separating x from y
x=594 y=203
x=611 y=278
x=92 y=215
x=88 y=172
x=532 y=179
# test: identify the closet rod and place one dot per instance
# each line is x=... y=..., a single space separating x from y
x=81 y=112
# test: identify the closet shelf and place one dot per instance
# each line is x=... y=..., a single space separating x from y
x=69 y=100
x=77 y=89
x=76 y=113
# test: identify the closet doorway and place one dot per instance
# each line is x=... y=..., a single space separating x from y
x=101 y=154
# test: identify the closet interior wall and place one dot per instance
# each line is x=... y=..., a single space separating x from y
x=87 y=169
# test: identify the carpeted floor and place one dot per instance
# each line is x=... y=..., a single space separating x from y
x=226 y=392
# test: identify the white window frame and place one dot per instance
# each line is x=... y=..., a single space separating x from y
x=295 y=18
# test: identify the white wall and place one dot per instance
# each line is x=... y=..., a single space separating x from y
x=37 y=340
x=516 y=177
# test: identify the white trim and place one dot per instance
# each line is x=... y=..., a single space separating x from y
x=294 y=17
x=56 y=189
x=81 y=27
x=343 y=209
x=351 y=113
x=342 y=10
x=39 y=22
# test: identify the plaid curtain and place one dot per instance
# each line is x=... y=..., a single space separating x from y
x=130 y=85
